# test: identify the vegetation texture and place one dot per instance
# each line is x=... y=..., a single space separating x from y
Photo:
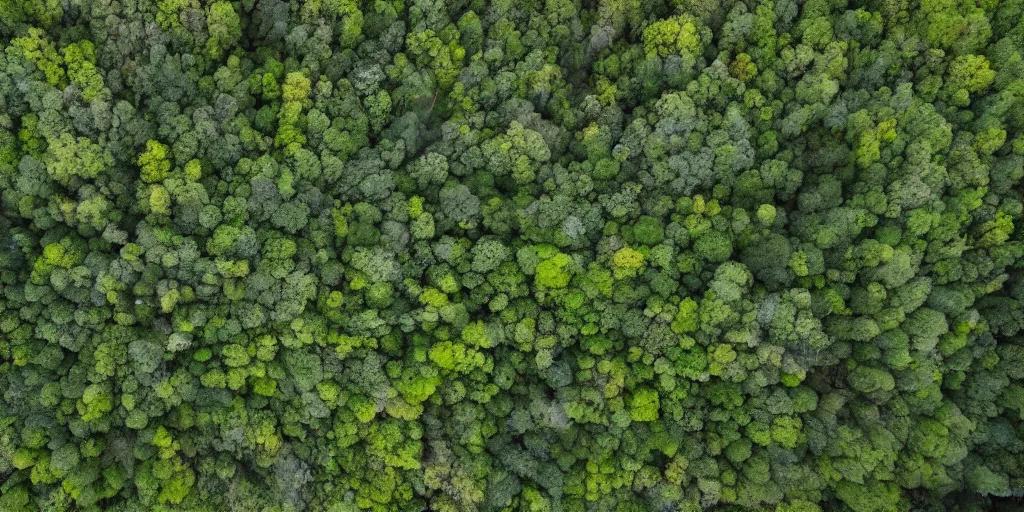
x=542 y=255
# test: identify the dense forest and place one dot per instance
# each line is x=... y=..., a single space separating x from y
x=538 y=255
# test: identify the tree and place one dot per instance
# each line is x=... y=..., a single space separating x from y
x=554 y=272
x=224 y=27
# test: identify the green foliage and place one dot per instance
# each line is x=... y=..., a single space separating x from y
x=644 y=405
x=626 y=262
x=675 y=35
x=224 y=27
x=288 y=255
x=554 y=272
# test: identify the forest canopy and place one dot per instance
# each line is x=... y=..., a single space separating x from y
x=521 y=255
